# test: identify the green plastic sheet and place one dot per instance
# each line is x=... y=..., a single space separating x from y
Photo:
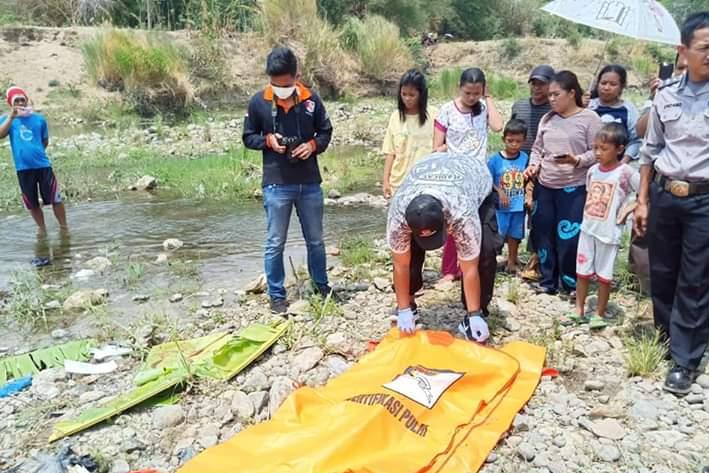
x=219 y=356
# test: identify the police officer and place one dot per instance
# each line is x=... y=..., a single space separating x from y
x=673 y=207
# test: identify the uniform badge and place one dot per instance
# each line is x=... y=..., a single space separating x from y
x=310 y=106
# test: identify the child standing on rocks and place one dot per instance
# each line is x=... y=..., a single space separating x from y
x=507 y=170
x=29 y=139
x=609 y=182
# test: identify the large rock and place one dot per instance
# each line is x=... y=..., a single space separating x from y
x=256 y=380
x=119 y=466
x=145 y=183
x=259 y=399
x=644 y=410
x=172 y=244
x=83 y=299
x=98 y=264
x=608 y=453
x=242 y=406
x=280 y=390
x=299 y=307
x=306 y=360
x=609 y=429
x=257 y=286
x=168 y=416
x=703 y=381
x=83 y=275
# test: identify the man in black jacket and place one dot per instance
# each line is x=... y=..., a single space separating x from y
x=289 y=124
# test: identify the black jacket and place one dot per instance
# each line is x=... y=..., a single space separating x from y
x=309 y=113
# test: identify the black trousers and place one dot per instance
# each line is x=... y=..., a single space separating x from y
x=490 y=246
x=678 y=238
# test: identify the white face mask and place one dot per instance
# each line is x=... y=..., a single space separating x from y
x=283 y=92
x=25 y=111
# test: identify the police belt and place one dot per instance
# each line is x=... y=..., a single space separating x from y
x=679 y=188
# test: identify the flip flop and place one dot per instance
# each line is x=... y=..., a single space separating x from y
x=597 y=323
x=572 y=318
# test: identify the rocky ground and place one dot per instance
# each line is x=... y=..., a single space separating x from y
x=590 y=418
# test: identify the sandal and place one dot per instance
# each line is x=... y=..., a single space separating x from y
x=572 y=318
x=597 y=323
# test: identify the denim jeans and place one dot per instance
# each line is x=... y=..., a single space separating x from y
x=278 y=201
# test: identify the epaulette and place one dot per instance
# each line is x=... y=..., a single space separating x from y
x=670 y=82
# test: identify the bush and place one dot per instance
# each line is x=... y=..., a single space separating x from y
x=381 y=51
x=208 y=59
x=66 y=12
x=503 y=88
x=511 y=48
x=149 y=69
x=661 y=53
x=296 y=23
x=445 y=85
x=574 y=38
x=644 y=66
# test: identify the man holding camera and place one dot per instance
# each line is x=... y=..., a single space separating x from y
x=289 y=124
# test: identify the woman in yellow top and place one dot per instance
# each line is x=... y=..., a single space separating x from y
x=409 y=136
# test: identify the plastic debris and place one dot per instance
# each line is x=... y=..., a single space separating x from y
x=78 y=367
x=16 y=386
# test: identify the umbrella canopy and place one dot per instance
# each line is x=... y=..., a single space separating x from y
x=640 y=19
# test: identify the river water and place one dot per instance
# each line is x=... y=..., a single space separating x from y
x=222 y=241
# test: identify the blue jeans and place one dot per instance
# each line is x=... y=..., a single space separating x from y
x=278 y=201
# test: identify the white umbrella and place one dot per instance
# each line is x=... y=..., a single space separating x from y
x=640 y=19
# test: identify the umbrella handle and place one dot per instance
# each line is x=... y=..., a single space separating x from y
x=598 y=66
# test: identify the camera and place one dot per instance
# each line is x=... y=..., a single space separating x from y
x=291 y=143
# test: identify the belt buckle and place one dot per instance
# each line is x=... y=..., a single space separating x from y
x=679 y=188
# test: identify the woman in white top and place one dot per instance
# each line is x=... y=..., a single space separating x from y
x=461 y=127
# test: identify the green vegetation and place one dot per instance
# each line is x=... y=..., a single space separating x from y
x=445 y=85
x=357 y=251
x=378 y=45
x=231 y=175
x=28 y=299
x=511 y=48
x=320 y=307
x=151 y=71
x=644 y=354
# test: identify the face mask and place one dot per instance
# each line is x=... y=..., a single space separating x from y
x=25 y=111
x=283 y=92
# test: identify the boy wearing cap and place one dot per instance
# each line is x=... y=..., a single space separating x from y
x=29 y=138
x=442 y=197
x=530 y=111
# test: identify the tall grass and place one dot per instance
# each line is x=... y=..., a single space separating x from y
x=148 y=68
x=297 y=24
x=446 y=83
x=379 y=47
x=645 y=354
x=356 y=251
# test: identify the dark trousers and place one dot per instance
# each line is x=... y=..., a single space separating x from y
x=490 y=246
x=678 y=234
x=557 y=223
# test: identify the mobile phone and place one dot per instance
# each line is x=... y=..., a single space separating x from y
x=560 y=156
x=666 y=70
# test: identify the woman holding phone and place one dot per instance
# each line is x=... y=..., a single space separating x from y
x=461 y=127
x=561 y=156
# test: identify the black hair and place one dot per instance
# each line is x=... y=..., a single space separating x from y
x=515 y=127
x=694 y=22
x=568 y=81
x=615 y=134
x=618 y=69
x=281 y=61
x=676 y=60
x=415 y=79
x=474 y=75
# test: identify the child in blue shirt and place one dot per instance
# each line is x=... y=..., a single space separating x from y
x=28 y=139
x=507 y=170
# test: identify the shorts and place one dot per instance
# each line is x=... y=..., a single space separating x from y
x=595 y=258
x=511 y=224
x=36 y=182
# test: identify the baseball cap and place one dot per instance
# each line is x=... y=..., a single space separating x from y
x=542 y=72
x=427 y=221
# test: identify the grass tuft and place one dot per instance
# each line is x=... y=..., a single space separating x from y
x=356 y=251
x=644 y=354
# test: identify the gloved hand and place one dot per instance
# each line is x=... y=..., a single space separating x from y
x=474 y=327
x=405 y=321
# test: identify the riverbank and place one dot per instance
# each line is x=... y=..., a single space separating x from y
x=605 y=412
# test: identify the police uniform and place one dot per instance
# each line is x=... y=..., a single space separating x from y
x=677 y=147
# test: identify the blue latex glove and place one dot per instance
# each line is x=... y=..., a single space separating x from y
x=405 y=321
x=474 y=327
